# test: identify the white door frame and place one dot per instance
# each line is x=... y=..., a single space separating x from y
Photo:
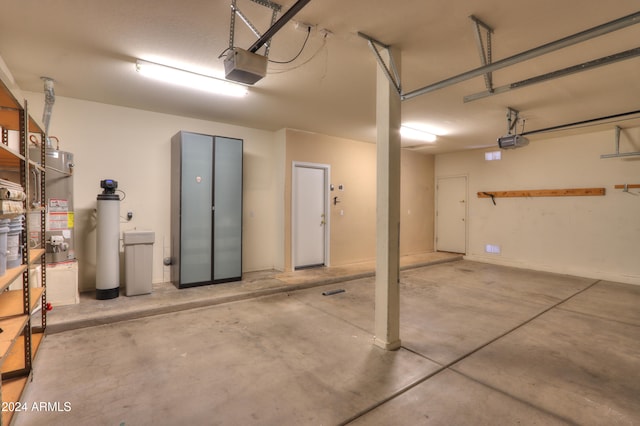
x=466 y=209
x=326 y=168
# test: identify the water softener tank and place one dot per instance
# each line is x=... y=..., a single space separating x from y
x=108 y=242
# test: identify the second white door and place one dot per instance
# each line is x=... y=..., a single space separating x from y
x=451 y=226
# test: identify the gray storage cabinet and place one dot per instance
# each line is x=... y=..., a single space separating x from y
x=206 y=209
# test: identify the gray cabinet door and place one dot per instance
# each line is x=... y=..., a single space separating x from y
x=195 y=217
x=227 y=223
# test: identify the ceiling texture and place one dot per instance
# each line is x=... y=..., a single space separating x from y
x=89 y=48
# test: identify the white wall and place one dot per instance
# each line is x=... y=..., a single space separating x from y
x=586 y=236
x=593 y=236
x=133 y=147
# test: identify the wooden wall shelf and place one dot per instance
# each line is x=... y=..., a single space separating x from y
x=11 y=329
x=567 y=192
x=11 y=275
x=10 y=120
x=11 y=301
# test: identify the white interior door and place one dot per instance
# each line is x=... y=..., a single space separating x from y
x=309 y=215
x=451 y=214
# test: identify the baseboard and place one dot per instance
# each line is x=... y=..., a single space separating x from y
x=577 y=272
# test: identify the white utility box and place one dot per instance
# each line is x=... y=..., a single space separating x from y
x=138 y=261
x=62 y=284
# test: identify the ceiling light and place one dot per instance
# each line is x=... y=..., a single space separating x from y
x=417 y=134
x=190 y=79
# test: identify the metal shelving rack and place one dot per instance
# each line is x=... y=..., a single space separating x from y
x=19 y=337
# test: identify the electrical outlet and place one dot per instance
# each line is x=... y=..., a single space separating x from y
x=492 y=249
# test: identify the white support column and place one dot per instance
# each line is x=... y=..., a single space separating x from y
x=387 y=297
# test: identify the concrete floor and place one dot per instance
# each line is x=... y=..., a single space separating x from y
x=481 y=345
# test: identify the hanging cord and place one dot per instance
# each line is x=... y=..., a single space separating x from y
x=224 y=52
x=299 y=53
x=317 y=52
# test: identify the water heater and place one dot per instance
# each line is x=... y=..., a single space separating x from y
x=59 y=232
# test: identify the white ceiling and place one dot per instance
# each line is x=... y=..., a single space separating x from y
x=89 y=48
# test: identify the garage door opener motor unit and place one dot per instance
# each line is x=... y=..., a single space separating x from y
x=512 y=139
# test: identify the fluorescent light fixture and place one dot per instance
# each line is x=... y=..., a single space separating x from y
x=190 y=79
x=410 y=132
